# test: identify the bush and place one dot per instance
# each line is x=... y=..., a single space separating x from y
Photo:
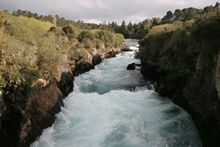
x=86 y=34
x=119 y=39
x=99 y=44
x=88 y=43
x=106 y=37
x=31 y=48
x=2 y=82
x=165 y=28
x=70 y=31
x=17 y=59
x=48 y=53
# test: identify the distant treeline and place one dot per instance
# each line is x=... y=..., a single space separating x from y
x=130 y=30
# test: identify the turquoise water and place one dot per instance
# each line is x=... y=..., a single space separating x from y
x=112 y=107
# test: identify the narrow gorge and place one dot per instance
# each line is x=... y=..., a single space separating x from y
x=111 y=107
x=109 y=74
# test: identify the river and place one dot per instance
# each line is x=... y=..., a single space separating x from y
x=113 y=107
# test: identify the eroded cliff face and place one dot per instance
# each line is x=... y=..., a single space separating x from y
x=199 y=96
x=202 y=100
x=26 y=110
x=185 y=68
x=217 y=75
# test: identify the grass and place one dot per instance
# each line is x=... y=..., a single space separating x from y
x=29 y=51
x=24 y=28
x=165 y=28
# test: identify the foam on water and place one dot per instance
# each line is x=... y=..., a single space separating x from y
x=112 y=107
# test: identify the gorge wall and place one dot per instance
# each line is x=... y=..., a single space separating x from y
x=183 y=64
x=28 y=111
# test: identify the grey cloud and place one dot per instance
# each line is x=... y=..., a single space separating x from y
x=103 y=10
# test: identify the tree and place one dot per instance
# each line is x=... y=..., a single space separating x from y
x=217 y=6
x=168 y=18
x=190 y=13
x=124 y=29
x=155 y=21
x=178 y=14
x=130 y=26
x=70 y=31
x=86 y=34
x=124 y=26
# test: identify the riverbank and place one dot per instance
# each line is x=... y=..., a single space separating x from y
x=39 y=61
x=24 y=120
x=182 y=62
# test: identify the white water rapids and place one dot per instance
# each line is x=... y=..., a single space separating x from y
x=112 y=107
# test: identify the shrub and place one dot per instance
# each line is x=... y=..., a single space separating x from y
x=53 y=29
x=99 y=44
x=106 y=37
x=165 y=28
x=86 y=34
x=2 y=82
x=73 y=55
x=88 y=43
x=70 y=31
x=119 y=39
x=48 y=53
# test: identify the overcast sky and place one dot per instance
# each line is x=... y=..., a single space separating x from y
x=104 y=10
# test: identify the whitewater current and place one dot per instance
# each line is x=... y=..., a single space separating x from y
x=113 y=107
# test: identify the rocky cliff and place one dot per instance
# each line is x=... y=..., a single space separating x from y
x=183 y=64
x=28 y=110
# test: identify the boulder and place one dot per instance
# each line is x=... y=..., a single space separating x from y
x=126 y=49
x=134 y=66
x=110 y=54
x=131 y=66
x=83 y=67
x=96 y=59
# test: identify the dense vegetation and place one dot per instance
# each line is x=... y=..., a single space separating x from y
x=175 y=46
x=141 y=29
x=180 y=57
x=32 y=48
x=130 y=30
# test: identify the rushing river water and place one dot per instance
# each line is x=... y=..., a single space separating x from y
x=112 y=107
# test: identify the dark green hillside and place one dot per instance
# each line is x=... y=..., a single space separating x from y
x=180 y=57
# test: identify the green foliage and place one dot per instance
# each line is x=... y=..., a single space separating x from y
x=119 y=39
x=106 y=37
x=48 y=53
x=165 y=28
x=168 y=18
x=88 y=43
x=23 y=28
x=100 y=39
x=100 y=44
x=191 y=13
x=173 y=51
x=87 y=38
x=59 y=21
x=2 y=82
x=32 y=48
x=207 y=32
x=17 y=57
x=73 y=55
x=137 y=31
x=70 y=31
x=86 y=34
